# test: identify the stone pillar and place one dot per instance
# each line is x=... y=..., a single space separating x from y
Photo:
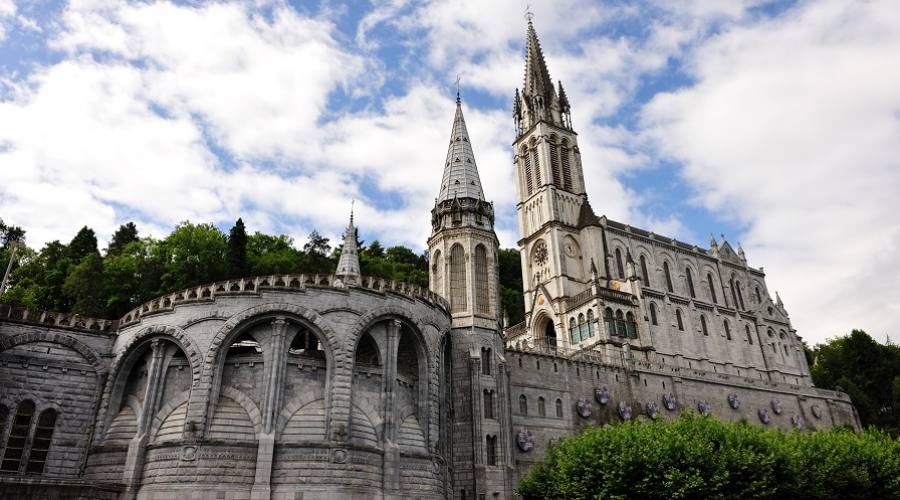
x=274 y=378
x=134 y=460
x=391 y=469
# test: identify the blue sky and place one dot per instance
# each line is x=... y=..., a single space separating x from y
x=776 y=124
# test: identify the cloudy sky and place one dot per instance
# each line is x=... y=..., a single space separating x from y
x=776 y=124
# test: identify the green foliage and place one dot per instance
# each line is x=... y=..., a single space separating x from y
x=511 y=285
x=83 y=244
x=192 y=254
x=700 y=457
x=867 y=371
x=237 y=250
x=272 y=255
x=127 y=233
x=84 y=286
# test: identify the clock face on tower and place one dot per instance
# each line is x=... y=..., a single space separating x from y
x=540 y=253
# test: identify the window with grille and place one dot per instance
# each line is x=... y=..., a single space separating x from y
x=490 y=443
x=457 y=279
x=18 y=437
x=566 y=166
x=573 y=331
x=526 y=160
x=482 y=295
x=537 y=167
x=554 y=165
x=630 y=326
x=590 y=323
x=40 y=445
x=610 y=321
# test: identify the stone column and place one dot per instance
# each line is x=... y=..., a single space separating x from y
x=391 y=477
x=134 y=460
x=274 y=378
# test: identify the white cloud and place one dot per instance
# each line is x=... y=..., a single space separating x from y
x=7 y=16
x=791 y=128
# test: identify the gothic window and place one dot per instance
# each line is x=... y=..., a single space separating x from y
x=590 y=323
x=668 y=277
x=727 y=329
x=644 y=274
x=703 y=327
x=620 y=324
x=490 y=443
x=619 y=268
x=457 y=278
x=488 y=404
x=481 y=278
x=18 y=435
x=582 y=327
x=40 y=444
x=758 y=296
x=554 y=162
x=690 y=282
x=712 y=288
x=749 y=336
x=610 y=323
x=630 y=326
x=542 y=407
x=653 y=319
x=733 y=292
x=566 y=167
x=740 y=295
x=537 y=167
x=573 y=331
x=785 y=349
x=679 y=320
x=526 y=160
x=559 y=413
x=486 y=355
x=437 y=273
x=523 y=404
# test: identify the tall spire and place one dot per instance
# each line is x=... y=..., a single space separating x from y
x=537 y=77
x=348 y=264
x=540 y=100
x=460 y=171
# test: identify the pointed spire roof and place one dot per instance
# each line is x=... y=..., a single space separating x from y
x=460 y=178
x=348 y=264
x=537 y=77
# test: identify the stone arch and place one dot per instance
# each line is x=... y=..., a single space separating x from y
x=78 y=346
x=395 y=312
x=165 y=411
x=248 y=405
x=291 y=408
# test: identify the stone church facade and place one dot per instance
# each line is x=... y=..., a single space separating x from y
x=344 y=386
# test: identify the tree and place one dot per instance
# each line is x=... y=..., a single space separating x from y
x=511 y=285
x=10 y=233
x=132 y=276
x=84 y=243
x=192 y=254
x=237 y=250
x=272 y=255
x=84 y=286
x=316 y=255
x=127 y=233
x=375 y=250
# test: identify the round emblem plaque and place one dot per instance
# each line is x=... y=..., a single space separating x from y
x=816 y=411
x=601 y=394
x=733 y=401
x=669 y=401
x=703 y=408
x=585 y=408
x=525 y=440
x=624 y=410
x=777 y=407
x=652 y=410
x=764 y=416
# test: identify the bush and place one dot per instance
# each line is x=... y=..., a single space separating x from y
x=699 y=457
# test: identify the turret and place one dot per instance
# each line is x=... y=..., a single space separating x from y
x=348 y=264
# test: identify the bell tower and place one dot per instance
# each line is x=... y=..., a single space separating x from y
x=553 y=212
x=463 y=253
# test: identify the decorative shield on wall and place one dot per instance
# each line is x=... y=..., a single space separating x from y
x=669 y=401
x=703 y=408
x=601 y=394
x=525 y=440
x=764 y=416
x=816 y=411
x=652 y=410
x=624 y=410
x=585 y=408
x=733 y=401
x=777 y=407
x=797 y=421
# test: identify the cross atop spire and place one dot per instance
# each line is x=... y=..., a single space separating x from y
x=460 y=178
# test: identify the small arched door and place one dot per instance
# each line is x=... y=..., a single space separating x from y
x=550 y=334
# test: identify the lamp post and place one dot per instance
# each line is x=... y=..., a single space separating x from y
x=14 y=244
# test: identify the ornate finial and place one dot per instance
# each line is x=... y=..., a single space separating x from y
x=528 y=14
x=457 y=89
x=351 y=210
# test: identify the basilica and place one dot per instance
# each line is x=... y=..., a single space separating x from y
x=342 y=386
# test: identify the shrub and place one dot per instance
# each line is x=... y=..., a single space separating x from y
x=699 y=457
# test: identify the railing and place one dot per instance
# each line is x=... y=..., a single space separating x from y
x=604 y=293
x=515 y=331
x=65 y=320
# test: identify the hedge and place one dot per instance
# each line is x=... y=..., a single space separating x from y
x=701 y=457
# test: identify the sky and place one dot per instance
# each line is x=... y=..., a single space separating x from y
x=775 y=124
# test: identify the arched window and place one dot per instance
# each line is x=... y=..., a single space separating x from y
x=482 y=295
x=491 y=449
x=758 y=296
x=644 y=274
x=712 y=288
x=542 y=407
x=590 y=323
x=18 y=436
x=554 y=162
x=40 y=445
x=566 y=165
x=573 y=331
x=437 y=273
x=488 y=404
x=526 y=160
x=733 y=293
x=523 y=404
x=582 y=327
x=785 y=349
x=630 y=326
x=703 y=327
x=486 y=355
x=619 y=267
x=749 y=336
x=679 y=320
x=559 y=413
x=653 y=319
x=620 y=324
x=740 y=295
x=690 y=282
x=537 y=167
x=727 y=329
x=668 y=277
x=610 y=321
x=457 y=278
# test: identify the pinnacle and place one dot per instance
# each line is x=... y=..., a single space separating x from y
x=460 y=179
